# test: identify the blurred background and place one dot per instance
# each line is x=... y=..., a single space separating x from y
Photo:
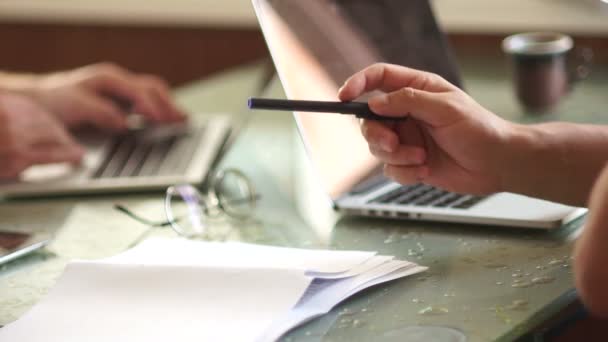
x=185 y=40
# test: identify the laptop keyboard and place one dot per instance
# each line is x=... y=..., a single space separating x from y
x=150 y=152
x=425 y=195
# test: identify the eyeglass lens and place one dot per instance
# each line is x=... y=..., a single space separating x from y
x=185 y=210
x=188 y=212
x=235 y=193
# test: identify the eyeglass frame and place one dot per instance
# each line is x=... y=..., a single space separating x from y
x=172 y=221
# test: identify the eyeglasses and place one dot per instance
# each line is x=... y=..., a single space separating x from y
x=189 y=212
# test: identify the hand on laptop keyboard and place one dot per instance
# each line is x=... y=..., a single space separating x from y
x=101 y=95
x=30 y=135
x=35 y=123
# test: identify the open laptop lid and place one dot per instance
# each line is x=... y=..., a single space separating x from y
x=315 y=48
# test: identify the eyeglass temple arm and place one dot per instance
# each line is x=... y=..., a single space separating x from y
x=140 y=219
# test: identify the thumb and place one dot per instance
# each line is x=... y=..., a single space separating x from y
x=56 y=154
x=428 y=107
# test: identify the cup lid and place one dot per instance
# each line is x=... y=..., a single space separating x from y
x=537 y=43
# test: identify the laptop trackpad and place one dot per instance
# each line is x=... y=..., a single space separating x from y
x=50 y=172
x=96 y=145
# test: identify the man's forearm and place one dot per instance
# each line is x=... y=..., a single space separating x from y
x=16 y=81
x=591 y=254
x=556 y=161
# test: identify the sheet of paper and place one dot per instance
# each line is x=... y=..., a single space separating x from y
x=200 y=253
x=324 y=294
x=105 y=302
x=183 y=290
x=366 y=266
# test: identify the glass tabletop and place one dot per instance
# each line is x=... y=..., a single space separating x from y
x=483 y=283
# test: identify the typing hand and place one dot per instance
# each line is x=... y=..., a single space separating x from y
x=88 y=95
x=30 y=135
x=450 y=140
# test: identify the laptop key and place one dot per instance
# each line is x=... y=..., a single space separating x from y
x=448 y=200
x=181 y=151
x=389 y=196
x=119 y=156
x=419 y=192
x=170 y=163
x=107 y=159
x=430 y=197
x=136 y=160
x=194 y=138
x=469 y=202
x=154 y=159
x=369 y=185
x=414 y=191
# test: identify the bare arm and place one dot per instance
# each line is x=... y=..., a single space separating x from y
x=555 y=161
x=591 y=254
x=452 y=142
x=16 y=81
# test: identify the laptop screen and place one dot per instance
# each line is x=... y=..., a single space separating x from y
x=316 y=46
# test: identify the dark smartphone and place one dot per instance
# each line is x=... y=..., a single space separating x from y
x=16 y=244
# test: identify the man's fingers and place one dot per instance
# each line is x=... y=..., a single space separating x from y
x=407 y=174
x=54 y=146
x=389 y=77
x=116 y=84
x=402 y=156
x=55 y=154
x=380 y=135
x=160 y=93
x=102 y=113
x=425 y=96
x=431 y=108
x=13 y=167
x=147 y=95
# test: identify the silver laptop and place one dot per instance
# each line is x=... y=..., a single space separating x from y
x=142 y=159
x=316 y=45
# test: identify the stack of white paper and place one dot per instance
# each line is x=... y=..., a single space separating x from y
x=183 y=290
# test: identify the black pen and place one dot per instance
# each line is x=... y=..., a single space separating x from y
x=358 y=109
